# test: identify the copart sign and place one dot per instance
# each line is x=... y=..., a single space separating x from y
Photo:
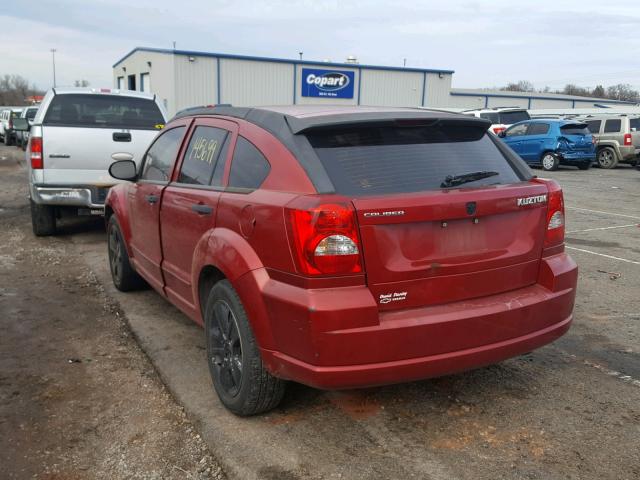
x=327 y=83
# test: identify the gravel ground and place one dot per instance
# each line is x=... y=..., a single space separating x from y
x=78 y=397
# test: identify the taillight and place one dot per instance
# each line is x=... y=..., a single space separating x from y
x=627 y=139
x=36 y=152
x=554 y=234
x=325 y=238
x=498 y=130
x=594 y=140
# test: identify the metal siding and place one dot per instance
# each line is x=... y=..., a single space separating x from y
x=540 y=103
x=507 y=102
x=161 y=78
x=249 y=83
x=391 y=89
x=469 y=102
x=196 y=82
x=437 y=94
x=326 y=101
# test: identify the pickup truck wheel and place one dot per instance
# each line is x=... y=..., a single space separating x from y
x=243 y=384
x=607 y=158
x=123 y=275
x=550 y=161
x=43 y=219
x=7 y=139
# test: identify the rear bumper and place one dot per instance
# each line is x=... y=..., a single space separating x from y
x=79 y=196
x=333 y=339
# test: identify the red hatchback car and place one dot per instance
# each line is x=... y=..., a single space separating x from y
x=342 y=247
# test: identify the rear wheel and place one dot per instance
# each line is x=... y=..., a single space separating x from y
x=43 y=219
x=243 y=384
x=7 y=139
x=550 y=161
x=607 y=158
x=123 y=275
x=585 y=165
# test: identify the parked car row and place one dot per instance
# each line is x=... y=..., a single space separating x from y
x=7 y=116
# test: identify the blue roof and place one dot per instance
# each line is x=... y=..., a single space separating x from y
x=277 y=60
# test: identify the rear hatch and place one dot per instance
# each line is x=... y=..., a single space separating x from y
x=82 y=132
x=426 y=240
x=634 y=125
x=578 y=137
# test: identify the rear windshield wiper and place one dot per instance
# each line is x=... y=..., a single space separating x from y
x=454 y=180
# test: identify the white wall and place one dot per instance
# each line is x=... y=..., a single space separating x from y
x=246 y=82
x=161 y=78
x=464 y=101
x=540 y=103
x=438 y=90
x=391 y=88
x=196 y=81
x=508 y=102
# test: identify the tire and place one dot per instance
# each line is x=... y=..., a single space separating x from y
x=607 y=158
x=585 y=165
x=7 y=139
x=123 y=275
x=239 y=378
x=550 y=161
x=43 y=219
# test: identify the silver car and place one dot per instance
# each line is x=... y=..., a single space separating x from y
x=76 y=134
x=617 y=137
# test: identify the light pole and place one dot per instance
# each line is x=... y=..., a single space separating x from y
x=53 y=56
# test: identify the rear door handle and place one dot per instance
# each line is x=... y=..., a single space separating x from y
x=151 y=198
x=121 y=137
x=201 y=209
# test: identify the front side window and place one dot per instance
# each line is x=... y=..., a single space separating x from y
x=103 y=111
x=207 y=147
x=159 y=160
x=249 y=168
x=538 y=129
x=517 y=131
x=612 y=126
x=594 y=125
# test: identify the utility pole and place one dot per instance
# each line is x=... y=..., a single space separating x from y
x=300 y=53
x=404 y=64
x=53 y=56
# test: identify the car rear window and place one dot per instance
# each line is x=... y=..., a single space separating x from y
x=363 y=161
x=509 y=118
x=575 y=129
x=15 y=114
x=492 y=117
x=103 y=111
x=31 y=113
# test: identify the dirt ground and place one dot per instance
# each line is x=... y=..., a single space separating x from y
x=78 y=398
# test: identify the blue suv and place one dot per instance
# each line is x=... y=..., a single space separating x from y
x=550 y=142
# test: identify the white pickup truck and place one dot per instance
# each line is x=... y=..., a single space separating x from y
x=76 y=134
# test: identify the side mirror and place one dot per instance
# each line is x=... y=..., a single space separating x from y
x=124 y=170
x=21 y=124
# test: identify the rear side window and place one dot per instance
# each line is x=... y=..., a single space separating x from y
x=509 y=118
x=158 y=162
x=206 y=147
x=635 y=123
x=103 y=111
x=517 y=131
x=249 y=168
x=577 y=129
x=386 y=160
x=538 y=129
x=612 y=126
x=594 y=125
x=492 y=117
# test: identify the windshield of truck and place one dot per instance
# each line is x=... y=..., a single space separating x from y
x=103 y=111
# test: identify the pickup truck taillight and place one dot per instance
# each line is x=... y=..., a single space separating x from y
x=627 y=139
x=325 y=238
x=554 y=234
x=36 y=153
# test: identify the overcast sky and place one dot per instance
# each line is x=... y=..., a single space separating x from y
x=488 y=43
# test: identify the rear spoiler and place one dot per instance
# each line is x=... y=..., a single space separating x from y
x=398 y=119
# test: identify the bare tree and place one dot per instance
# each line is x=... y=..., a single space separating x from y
x=623 y=91
x=15 y=89
x=520 y=86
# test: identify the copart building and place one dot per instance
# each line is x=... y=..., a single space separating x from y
x=187 y=78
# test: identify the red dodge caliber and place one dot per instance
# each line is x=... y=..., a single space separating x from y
x=342 y=247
